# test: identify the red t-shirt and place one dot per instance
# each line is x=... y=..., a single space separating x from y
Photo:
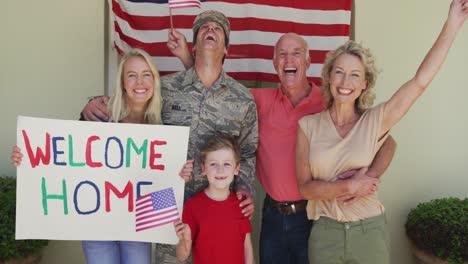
x=218 y=229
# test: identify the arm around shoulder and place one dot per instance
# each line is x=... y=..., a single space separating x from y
x=248 y=141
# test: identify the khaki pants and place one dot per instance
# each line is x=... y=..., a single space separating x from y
x=363 y=242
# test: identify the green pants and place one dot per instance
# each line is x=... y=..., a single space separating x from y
x=363 y=242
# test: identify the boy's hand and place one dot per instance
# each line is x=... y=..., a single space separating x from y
x=183 y=231
x=247 y=203
x=187 y=170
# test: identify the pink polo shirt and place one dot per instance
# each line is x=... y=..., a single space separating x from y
x=277 y=126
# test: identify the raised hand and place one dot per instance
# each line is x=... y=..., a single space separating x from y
x=177 y=44
x=458 y=12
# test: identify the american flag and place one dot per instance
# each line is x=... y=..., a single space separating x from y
x=184 y=3
x=155 y=209
x=256 y=25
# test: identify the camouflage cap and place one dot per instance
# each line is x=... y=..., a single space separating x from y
x=211 y=16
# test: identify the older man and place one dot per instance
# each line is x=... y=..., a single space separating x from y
x=207 y=100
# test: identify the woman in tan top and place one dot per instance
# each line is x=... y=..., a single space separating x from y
x=346 y=136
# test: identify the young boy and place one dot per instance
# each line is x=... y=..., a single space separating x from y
x=212 y=222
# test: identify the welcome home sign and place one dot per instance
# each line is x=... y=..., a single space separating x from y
x=81 y=180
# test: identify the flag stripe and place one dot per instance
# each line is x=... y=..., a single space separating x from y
x=171 y=220
x=175 y=6
x=142 y=200
x=303 y=4
x=256 y=25
x=157 y=217
x=152 y=213
x=183 y=3
x=144 y=206
x=139 y=212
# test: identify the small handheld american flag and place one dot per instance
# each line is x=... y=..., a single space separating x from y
x=155 y=209
x=173 y=4
x=183 y=3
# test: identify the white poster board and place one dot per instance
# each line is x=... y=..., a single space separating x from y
x=80 y=180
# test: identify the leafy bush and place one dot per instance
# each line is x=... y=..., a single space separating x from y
x=440 y=227
x=9 y=247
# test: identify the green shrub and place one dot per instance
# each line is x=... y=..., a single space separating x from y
x=440 y=227
x=9 y=247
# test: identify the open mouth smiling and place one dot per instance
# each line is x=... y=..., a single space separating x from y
x=210 y=37
x=290 y=70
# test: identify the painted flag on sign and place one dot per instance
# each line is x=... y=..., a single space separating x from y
x=155 y=209
x=256 y=25
x=183 y=3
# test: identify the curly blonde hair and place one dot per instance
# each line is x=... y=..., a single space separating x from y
x=367 y=97
x=118 y=105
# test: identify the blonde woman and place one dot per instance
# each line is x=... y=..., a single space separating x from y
x=346 y=136
x=137 y=100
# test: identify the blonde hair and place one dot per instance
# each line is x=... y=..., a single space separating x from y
x=118 y=104
x=220 y=141
x=367 y=97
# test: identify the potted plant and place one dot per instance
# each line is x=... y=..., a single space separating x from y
x=438 y=230
x=11 y=250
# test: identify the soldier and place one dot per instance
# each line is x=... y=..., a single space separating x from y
x=210 y=102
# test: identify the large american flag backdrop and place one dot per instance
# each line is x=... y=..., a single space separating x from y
x=256 y=25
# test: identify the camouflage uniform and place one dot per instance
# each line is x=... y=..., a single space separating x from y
x=226 y=107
